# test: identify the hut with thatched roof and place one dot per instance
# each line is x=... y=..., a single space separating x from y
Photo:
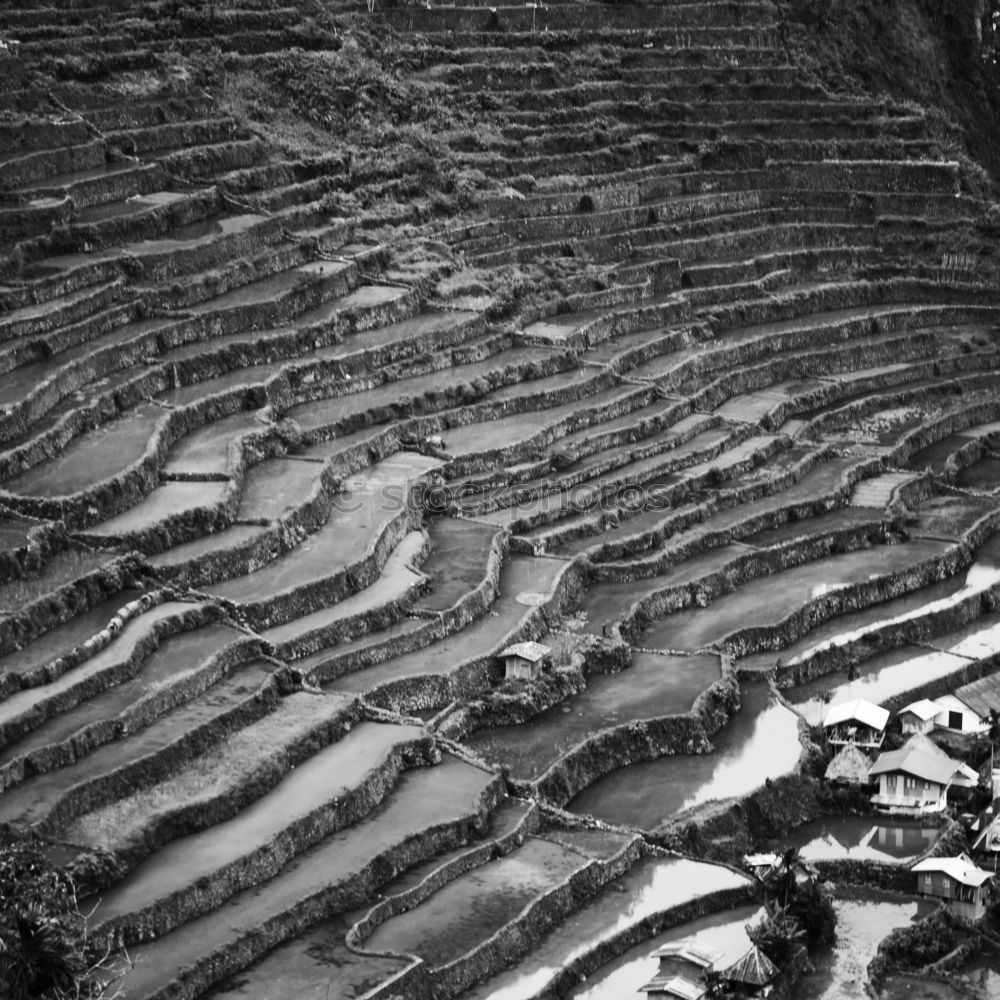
x=849 y=767
x=753 y=975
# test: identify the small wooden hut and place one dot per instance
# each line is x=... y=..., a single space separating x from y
x=525 y=660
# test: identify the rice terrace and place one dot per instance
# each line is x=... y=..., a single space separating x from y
x=499 y=502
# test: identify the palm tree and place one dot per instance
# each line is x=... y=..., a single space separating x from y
x=43 y=959
x=780 y=880
x=778 y=934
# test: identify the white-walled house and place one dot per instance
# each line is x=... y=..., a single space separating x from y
x=920 y=716
x=914 y=779
x=958 y=716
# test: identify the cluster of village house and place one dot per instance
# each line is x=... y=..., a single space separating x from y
x=920 y=779
x=915 y=780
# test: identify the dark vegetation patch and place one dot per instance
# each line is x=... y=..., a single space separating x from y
x=943 y=54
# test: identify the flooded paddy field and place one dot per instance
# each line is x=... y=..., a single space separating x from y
x=768 y=601
x=860 y=838
x=760 y=742
x=864 y=918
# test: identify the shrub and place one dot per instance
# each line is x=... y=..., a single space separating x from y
x=44 y=948
x=779 y=935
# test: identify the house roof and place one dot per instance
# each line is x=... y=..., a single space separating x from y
x=966 y=777
x=922 y=741
x=981 y=695
x=533 y=651
x=929 y=763
x=983 y=825
x=676 y=986
x=857 y=711
x=850 y=764
x=689 y=951
x=924 y=709
x=768 y=860
x=961 y=869
x=754 y=969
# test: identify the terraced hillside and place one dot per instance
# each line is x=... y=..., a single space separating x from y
x=657 y=352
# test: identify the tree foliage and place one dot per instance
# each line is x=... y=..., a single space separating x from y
x=799 y=911
x=778 y=934
x=45 y=952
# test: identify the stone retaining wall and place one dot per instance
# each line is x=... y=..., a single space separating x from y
x=471 y=675
x=66 y=698
x=475 y=857
x=194 y=900
x=54 y=668
x=881 y=638
x=638 y=740
x=152 y=768
x=649 y=927
x=855 y=597
x=749 y=566
x=327 y=901
x=44 y=613
x=521 y=935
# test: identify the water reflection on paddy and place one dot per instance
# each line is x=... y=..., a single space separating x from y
x=859 y=838
x=760 y=742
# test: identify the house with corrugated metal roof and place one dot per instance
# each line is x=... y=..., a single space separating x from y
x=967 y=709
x=859 y=722
x=915 y=779
x=961 y=885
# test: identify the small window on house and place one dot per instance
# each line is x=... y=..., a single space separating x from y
x=945 y=882
x=927 y=785
x=927 y=882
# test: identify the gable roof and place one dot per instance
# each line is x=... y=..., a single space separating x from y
x=981 y=695
x=964 y=775
x=921 y=741
x=533 y=651
x=924 y=709
x=857 y=711
x=689 y=951
x=984 y=825
x=916 y=758
x=961 y=869
x=676 y=986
